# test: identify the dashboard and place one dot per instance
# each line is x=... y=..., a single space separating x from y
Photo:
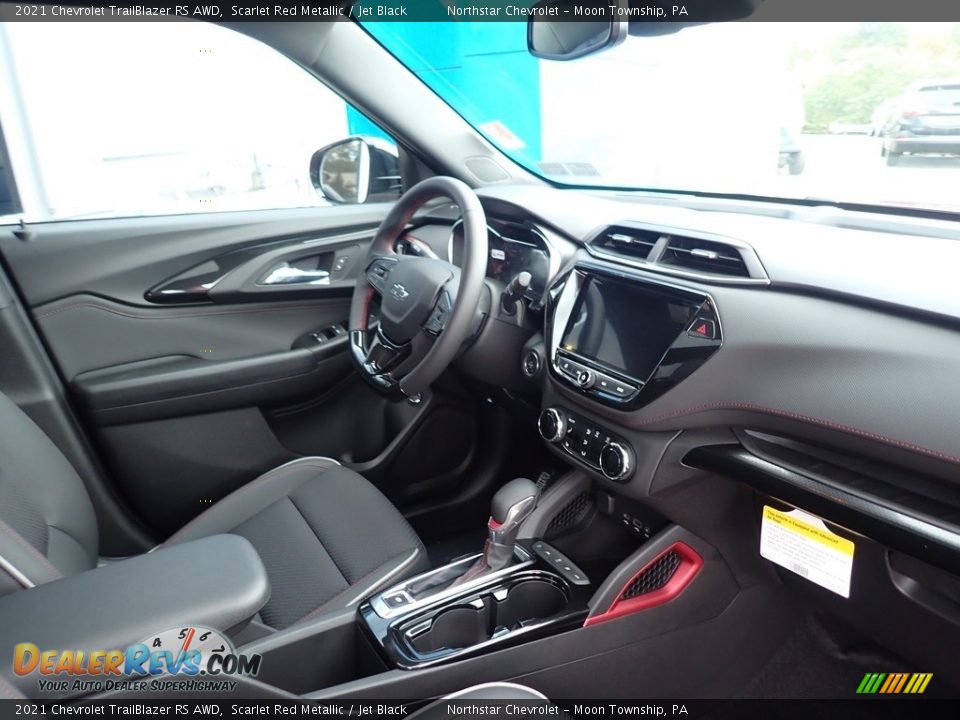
x=707 y=358
x=808 y=354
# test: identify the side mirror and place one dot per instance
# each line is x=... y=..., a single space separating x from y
x=551 y=35
x=355 y=170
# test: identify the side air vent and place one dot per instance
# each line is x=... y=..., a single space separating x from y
x=704 y=256
x=629 y=242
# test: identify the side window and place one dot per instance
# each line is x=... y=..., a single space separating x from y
x=128 y=119
x=8 y=204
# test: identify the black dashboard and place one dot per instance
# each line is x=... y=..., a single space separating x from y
x=807 y=355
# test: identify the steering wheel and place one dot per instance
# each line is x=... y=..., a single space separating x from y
x=426 y=305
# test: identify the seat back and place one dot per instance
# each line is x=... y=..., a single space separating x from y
x=47 y=525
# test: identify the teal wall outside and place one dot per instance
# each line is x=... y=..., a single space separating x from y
x=482 y=67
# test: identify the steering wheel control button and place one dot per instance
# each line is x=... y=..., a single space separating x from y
x=379 y=271
x=552 y=425
x=438 y=317
x=703 y=328
x=561 y=563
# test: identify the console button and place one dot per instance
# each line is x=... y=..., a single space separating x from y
x=561 y=563
x=568 y=367
x=612 y=386
x=585 y=378
x=530 y=365
x=703 y=328
x=395 y=600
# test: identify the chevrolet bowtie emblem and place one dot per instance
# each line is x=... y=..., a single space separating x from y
x=399 y=291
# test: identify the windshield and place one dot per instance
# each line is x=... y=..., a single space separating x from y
x=791 y=110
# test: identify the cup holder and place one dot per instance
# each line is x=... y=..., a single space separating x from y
x=458 y=627
x=530 y=600
x=490 y=613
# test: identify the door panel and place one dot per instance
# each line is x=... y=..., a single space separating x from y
x=87 y=333
x=184 y=385
x=174 y=395
x=122 y=258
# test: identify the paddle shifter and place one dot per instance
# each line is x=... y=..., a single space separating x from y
x=512 y=504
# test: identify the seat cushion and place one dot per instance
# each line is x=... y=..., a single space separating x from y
x=47 y=525
x=326 y=535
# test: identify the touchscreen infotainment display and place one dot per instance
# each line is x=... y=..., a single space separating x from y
x=624 y=326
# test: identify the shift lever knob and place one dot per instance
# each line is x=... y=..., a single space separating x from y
x=512 y=504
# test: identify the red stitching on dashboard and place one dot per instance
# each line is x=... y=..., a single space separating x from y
x=805 y=418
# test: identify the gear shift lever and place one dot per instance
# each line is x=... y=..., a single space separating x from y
x=512 y=504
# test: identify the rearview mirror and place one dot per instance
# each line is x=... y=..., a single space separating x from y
x=551 y=35
x=355 y=170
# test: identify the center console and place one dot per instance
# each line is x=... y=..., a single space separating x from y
x=511 y=591
x=435 y=618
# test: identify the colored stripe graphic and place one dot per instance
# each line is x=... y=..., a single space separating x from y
x=894 y=683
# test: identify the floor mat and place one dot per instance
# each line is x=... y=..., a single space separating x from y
x=822 y=659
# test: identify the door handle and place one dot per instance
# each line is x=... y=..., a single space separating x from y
x=287 y=275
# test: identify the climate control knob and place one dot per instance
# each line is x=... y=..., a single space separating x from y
x=616 y=461
x=552 y=425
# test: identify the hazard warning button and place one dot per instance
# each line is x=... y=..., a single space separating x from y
x=703 y=328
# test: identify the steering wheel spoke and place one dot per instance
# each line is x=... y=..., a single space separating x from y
x=377 y=360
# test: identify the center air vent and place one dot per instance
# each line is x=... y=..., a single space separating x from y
x=704 y=256
x=677 y=252
x=635 y=243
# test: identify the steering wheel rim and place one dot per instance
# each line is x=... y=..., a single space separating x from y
x=421 y=347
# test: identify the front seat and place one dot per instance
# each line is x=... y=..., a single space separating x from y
x=327 y=537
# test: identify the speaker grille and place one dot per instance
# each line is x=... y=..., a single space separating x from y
x=571 y=514
x=654 y=577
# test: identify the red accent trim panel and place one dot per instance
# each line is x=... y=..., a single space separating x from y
x=690 y=564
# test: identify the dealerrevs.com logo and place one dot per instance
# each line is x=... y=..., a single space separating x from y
x=191 y=659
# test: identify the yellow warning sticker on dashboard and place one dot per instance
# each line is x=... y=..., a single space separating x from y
x=800 y=542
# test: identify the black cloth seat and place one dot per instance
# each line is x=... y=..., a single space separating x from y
x=327 y=537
